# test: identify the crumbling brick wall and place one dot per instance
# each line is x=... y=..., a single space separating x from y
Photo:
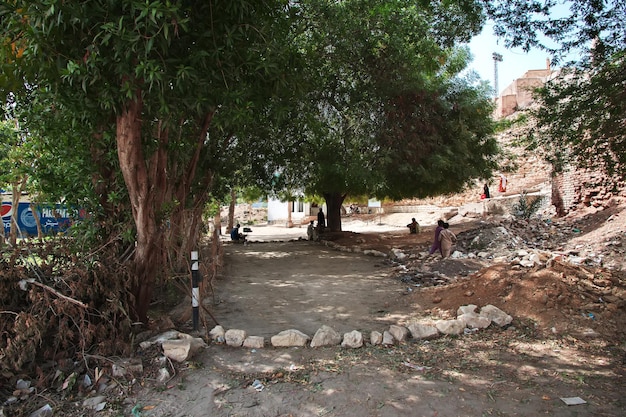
x=574 y=188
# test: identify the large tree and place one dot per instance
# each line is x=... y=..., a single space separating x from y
x=387 y=113
x=581 y=117
x=154 y=76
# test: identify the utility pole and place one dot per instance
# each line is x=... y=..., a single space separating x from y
x=496 y=58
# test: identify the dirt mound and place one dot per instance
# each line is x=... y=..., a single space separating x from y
x=561 y=298
x=578 y=284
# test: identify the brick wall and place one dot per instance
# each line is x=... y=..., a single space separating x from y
x=575 y=188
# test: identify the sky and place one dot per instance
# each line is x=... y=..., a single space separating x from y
x=514 y=64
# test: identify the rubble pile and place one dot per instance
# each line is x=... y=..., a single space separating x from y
x=535 y=242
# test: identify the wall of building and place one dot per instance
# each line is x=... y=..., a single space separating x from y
x=575 y=188
x=519 y=94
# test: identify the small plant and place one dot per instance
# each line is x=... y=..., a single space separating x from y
x=526 y=207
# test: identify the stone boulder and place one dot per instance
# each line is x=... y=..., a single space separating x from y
x=496 y=315
x=217 y=334
x=423 y=331
x=325 y=336
x=353 y=339
x=450 y=326
x=400 y=333
x=289 y=338
x=254 y=342
x=388 y=339
x=235 y=337
x=181 y=350
x=376 y=338
x=474 y=321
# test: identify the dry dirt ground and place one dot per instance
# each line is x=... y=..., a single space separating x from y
x=567 y=338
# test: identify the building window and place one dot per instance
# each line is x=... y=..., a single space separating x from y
x=297 y=207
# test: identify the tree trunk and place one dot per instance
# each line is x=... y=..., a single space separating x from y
x=37 y=218
x=217 y=223
x=289 y=210
x=334 y=202
x=231 y=211
x=16 y=192
x=142 y=179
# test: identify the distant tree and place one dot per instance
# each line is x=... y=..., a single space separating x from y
x=15 y=169
x=582 y=116
x=387 y=113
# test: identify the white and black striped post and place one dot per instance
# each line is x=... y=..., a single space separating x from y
x=195 y=291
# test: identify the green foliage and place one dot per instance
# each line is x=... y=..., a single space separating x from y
x=503 y=125
x=526 y=207
x=582 y=115
x=582 y=118
x=387 y=113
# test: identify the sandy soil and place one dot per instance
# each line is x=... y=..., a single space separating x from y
x=270 y=285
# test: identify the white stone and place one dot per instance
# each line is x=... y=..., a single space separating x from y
x=457 y=255
x=164 y=375
x=376 y=338
x=450 y=326
x=526 y=263
x=217 y=334
x=288 y=338
x=496 y=315
x=388 y=339
x=353 y=339
x=373 y=252
x=235 y=337
x=475 y=321
x=398 y=254
x=182 y=349
x=399 y=333
x=325 y=336
x=470 y=308
x=535 y=259
x=423 y=331
x=254 y=342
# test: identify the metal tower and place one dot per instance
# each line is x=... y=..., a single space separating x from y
x=496 y=58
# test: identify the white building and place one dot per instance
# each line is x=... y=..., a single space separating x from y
x=299 y=211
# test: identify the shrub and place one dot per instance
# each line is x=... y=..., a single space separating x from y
x=526 y=206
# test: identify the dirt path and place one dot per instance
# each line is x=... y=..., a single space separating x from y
x=271 y=287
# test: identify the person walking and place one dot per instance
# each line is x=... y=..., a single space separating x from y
x=446 y=239
x=436 y=244
x=502 y=184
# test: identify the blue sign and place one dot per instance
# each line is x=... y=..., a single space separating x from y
x=53 y=220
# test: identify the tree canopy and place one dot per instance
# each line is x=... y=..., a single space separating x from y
x=169 y=82
x=387 y=113
x=166 y=104
x=581 y=116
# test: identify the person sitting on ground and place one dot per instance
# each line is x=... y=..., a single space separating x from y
x=235 y=235
x=446 y=239
x=414 y=226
